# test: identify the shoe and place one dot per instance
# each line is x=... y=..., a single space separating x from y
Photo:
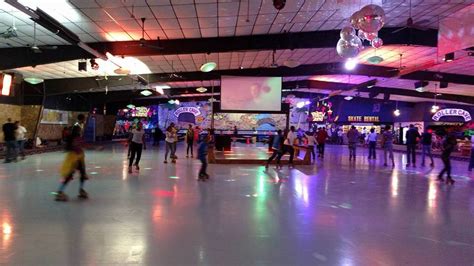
x=130 y=170
x=206 y=176
x=165 y=161
x=83 y=194
x=173 y=161
x=266 y=166
x=137 y=167
x=187 y=156
x=60 y=196
x=384 y=164
x=449 y=181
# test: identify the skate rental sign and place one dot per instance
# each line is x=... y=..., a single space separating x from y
x=452 y=112
x=193 y=110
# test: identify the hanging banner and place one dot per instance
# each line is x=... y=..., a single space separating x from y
x=56 y=117
x=193 y=110
x=452 y=112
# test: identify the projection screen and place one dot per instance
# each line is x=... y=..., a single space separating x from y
x=251 y=93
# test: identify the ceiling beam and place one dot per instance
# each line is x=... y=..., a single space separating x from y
x=439 y=76
x=23 y=56
x=298 y=40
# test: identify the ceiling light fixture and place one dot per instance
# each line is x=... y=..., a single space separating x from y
x=171 y=101
x=291 y=63
x=146 y=93
x=375 y=60
x=208 y=67
x=122 y=71
x=34 y=81
x=201 y=89
x=397 y=111
x=351 y=64
x=449 y=57
x=348 y=98
x=130 y=106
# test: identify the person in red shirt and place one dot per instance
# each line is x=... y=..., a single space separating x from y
x=321 y=138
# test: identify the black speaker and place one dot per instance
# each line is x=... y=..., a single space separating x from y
x=443 y=85
x=386 y=97
x=373 y=94
x=279 y=4
x=82 y=66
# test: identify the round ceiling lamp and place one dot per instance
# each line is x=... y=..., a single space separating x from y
x=201 y=89
x=375 y=60
x=122 y=71
x=34 y=81
x=208 y=67
x=291 y=63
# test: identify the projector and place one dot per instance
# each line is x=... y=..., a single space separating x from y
x=9 y=33
x=279 y=4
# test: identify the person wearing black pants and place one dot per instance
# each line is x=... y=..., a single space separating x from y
x=449 y=144
x=290 y=139
x=412 y=137
x=136 y=146
x=276 y=147
x=372 y=140
x=189 y=141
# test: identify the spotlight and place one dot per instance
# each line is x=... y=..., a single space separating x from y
x=176 y=102
x=396 y=112
x=443 y=84
x=279 y=4
x=420 y=86
x=201 y=89
x=350 y=64
x=449 y=57
x=434 y=108
x=94 y=64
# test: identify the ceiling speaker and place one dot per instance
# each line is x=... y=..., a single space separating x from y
x=82 y=66
x=279 y=4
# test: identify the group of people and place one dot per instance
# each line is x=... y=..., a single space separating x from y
x=14 y=136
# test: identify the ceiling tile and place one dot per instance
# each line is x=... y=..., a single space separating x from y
x=185 y=11
x=163 y=12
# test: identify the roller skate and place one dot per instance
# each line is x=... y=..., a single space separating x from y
x=83 y=194
x=60 y=196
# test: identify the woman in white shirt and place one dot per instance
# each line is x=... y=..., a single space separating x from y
x=171 y=139
x=311 y=142
x=137 y=144
x=20 y=138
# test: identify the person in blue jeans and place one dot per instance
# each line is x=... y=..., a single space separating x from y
x=426 y=140
x=471 y=162
x=202 y=156
x=372 y=141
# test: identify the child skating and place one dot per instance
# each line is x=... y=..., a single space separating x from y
x=137 y=144
x=73 y=161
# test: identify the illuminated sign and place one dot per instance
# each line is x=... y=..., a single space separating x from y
x=318 y=116
x=193 y=110
x=363 y=118
x=452 y=112
x=140 y=111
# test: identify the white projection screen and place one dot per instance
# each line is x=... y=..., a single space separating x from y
x=251 y=93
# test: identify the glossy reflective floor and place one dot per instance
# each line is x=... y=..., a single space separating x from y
x=331 y=213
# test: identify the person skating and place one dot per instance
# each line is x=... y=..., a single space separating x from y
x=170 y=141
x=449 y=144
x=352 y=139
x=189 y=141
x=412 y=137
x=74 y=160
x=202 y=156
x=321 y=138
x=372 y=141
x=426 y=141
x=387 y=140
x=137 y=144
x=277 y=147
x=290 y=139
x=10 y=142
x=20 y=139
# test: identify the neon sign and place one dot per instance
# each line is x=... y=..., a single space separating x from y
x=193 y=110
x=452 y=112
x=141 y=111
